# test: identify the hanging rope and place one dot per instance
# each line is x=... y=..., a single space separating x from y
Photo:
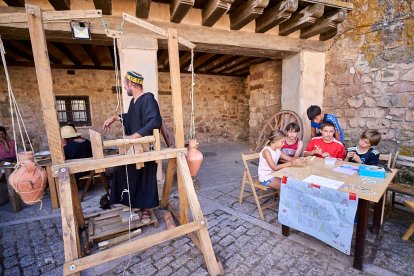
x=192 y=115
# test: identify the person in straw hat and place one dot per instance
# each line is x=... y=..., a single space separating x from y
x=142 y=118
x=75 y=146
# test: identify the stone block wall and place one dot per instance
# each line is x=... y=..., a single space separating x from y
x=221 y=106
x=221 y=103
x=370 y=74
x=265 y=88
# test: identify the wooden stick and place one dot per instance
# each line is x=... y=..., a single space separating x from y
x=76 y=204
x=121 y=142
x=109 y=243
x=87 y=164
x=97 y=149
x=132 y=246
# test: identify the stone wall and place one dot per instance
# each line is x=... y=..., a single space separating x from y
x=221 y=106
x=370 y=73
x=265 y=88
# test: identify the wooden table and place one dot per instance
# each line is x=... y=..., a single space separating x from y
x=15 y=200
x=318 y=167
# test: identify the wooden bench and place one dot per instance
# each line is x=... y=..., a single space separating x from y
x=398 y=187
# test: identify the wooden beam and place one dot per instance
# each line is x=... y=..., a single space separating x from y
x=341 y=4
x=163 y=59
x=45 y=82
x=91 y=52
x=62 y=66
x=324 y=24
x=89 y=164
x=302 y=19
x=213 y=10
x=203 y=60
x=68 y=53
x=11 y=18
x=232 y=64
x=275 y=15
x=52 y=56
x=60 y=5
x=18 y=48
x=185 y=60
x=104 y=5
x=179 y=9
x=219 y=62
x=142 y=8
x=14 y=3
x=245 y=65
x=328 y=35
x=112 y=55
x=247 y=12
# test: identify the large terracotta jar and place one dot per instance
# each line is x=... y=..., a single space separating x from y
x=28 y=179
x=194 y=157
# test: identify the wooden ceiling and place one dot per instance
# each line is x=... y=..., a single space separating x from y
x=101 y=57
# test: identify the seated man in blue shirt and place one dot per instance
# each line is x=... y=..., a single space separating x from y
x=317 y=117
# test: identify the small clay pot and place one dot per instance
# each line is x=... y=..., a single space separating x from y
x=28 y=179
x=194 y=157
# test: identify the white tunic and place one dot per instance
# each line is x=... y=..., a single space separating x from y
x=264 y=170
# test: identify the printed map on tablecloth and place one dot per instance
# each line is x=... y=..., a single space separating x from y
x=323 y=213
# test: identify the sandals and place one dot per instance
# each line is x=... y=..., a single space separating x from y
x=146 y=216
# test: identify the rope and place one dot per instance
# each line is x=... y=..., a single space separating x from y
x=192 y=115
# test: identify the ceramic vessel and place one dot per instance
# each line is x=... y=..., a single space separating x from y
x=194 y=157
x=28 y=179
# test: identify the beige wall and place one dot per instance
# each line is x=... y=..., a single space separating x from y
x=221 y=103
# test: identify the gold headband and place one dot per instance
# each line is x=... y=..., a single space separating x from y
x=133 y=79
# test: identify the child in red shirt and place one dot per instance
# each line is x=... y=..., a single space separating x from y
x=326 y=145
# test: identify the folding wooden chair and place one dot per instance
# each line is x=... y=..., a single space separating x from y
x=398 y=187
x=386 y=157
x=254 y=184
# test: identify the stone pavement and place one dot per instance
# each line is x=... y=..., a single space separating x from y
x=31 y=243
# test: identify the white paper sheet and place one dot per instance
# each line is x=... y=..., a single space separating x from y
x=323 y=181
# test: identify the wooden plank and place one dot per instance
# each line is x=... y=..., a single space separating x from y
x=97 y=148
x=76 y=203
x=179 y=9
x=52 y=188
x=60 y=4
x=323 y=24
x=213 y=10
x=169 y=178
x=169 y=221
x=332 y=3
x=232 y=64
x=245 y=13
x=126 y=142
x=142 y=8
x=277 y=14
x=132 y=246
x=69 y=224
x=45 y=83
x=104 y=5
x=109 y=243
x=51 y=16
x=204 y=59
x=304 y=18
x=88 y=164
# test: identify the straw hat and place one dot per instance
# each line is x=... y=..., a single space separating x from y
x=69 y=132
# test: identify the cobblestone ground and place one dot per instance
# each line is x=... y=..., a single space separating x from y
x=31 y=244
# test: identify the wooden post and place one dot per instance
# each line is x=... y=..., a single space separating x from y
x=52 y=187
x=169 y=178
x=97 y=147
x=175 y=77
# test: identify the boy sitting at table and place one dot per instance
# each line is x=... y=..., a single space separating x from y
x=326 y=145
x=363 y=153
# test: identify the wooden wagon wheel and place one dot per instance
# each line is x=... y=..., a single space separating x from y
x=279 y=121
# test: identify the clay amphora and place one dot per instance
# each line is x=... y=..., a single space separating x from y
x=194 y=157
x=28 y=179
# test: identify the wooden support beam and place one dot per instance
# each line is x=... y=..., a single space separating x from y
x=104 y=5
x=328 y=35
x=324 y=24
x=68 y=53
x=163 y=59
x=247 y=12
x=11 y=18
x=14 y=3
x=213 y=10
x=185 y=60
x=203 y=60
x=232 y=64
x=89 y=164
x=245 y=65
x=275 y=15
x=62 y=66
x=169 y=179
x=45 y=83
x=341 y=4
x=60 y=5
x=18 y=48
x=52 y=56
x=179 y=9
x=302 y=19
x=142 y=8
x=91 y=52
x=219 y=62
x=97 y=146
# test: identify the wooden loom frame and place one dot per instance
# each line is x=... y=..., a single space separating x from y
x=71 y=210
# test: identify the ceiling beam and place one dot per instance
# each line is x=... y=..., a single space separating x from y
x=142 y=8
x=104 y=5
x=328 y=35
x=179 y=9
x=14 y=3
x=323 y=24
x=185 y=60
x=224 y=59
x=275 y=15
x=247 y=12
x=232 y=64
x=203 y=60
x=213 y=10
x=302 y=19
x=246 y=65
x=111 y=54
x=163 y=60
x=200 y=73
x=68 y=53
x=60 y=5
x=62 y=66
x=52 y=57
x=91 y=52
x=18 y=48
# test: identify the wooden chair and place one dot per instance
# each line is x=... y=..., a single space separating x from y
x=254 y=184
x=386 y=157
x=410 y=231
x=398 y=187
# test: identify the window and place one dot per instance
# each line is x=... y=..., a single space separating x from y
x=75 y=110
